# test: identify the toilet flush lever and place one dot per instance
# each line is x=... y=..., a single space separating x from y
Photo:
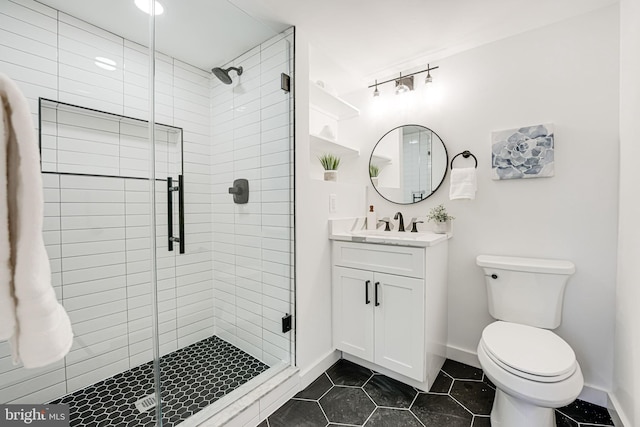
x=494 y=276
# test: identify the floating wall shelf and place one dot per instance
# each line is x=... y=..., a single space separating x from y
x=321 y=145
x=331 y=104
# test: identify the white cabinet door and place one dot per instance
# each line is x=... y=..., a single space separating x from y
x=353 y=311
x=399 y=324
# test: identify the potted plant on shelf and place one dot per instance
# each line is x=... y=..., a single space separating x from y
x=330 y=164
x=374 y=171
x=442 y=219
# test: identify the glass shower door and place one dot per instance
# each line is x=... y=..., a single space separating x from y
x=229 y=302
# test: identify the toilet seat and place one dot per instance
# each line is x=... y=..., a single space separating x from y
x=528 y=352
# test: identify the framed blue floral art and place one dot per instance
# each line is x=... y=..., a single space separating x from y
x=526 y=152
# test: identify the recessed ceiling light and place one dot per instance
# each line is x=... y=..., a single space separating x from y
x=105 y=63
x=145 y=6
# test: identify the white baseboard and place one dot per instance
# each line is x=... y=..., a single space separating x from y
x=309 y=375
x=620 y=419
x=595 y=395
x=589 y=393
x=462 y=355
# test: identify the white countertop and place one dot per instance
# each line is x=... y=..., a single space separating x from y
x=353 y=230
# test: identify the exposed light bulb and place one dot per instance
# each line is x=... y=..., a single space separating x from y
x=429 y=79
x=145 y=6
x=376 y=92
x=401 y=88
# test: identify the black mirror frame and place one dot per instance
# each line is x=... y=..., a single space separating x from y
x=446 y=168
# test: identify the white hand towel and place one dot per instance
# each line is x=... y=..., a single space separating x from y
x=37 y=326
x=463 y=184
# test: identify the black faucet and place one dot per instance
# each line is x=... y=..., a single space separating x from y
x=401 y=222
x=386 y=223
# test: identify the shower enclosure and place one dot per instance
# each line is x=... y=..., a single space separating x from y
x=180 y=299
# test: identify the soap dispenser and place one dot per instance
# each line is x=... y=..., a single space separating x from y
x=372 y=219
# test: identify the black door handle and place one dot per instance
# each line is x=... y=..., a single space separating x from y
x=170 y=190
x=376 y=294
x=181 y=212
x=366 y=292
x=180 y=190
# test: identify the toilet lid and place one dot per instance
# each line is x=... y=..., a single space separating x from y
x=532 y=353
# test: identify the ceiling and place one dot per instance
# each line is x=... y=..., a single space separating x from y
x=203 y=33
x=379 y=38
x=368 y=38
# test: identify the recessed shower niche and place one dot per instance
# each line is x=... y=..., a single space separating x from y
x=88 y=142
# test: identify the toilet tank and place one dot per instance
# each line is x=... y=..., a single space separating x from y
x=526 y=290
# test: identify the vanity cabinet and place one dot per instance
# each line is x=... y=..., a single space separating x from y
x=389 y=307
x=380 y=318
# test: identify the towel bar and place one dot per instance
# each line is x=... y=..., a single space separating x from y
x=465 y=154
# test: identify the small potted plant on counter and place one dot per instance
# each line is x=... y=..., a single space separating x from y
x=330 y=164
x=374 y=171
x=442 y=219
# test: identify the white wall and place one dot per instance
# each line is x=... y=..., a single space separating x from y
x=626 y=380
x=313 y=269
x=251 y=139
x=565 y=73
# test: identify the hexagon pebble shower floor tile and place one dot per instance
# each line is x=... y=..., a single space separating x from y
x=191 y=379
x=461 y=396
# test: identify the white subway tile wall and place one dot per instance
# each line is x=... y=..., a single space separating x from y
x=236 y=276
x=251 y=126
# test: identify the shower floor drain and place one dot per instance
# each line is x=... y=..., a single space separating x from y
x=146 y=403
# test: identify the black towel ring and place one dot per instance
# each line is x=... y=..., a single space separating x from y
x=465 y=154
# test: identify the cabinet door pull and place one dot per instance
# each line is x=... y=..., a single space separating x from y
x=376 y=293
x=366 y=292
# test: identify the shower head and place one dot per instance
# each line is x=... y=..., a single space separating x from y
x=223 y=74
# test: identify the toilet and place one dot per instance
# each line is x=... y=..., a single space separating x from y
x=533 y=369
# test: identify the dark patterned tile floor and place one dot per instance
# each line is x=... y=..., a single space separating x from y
x=461 y=396
x=191 y=379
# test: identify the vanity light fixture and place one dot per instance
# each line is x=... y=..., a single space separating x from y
x=429 y=79
x=405 y=83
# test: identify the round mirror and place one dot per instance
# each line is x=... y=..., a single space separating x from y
x=408 y=164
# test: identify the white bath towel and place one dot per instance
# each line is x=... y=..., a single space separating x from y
x=463 y=184
x=31 y=318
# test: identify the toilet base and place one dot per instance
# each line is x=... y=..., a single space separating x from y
x=509 y=411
